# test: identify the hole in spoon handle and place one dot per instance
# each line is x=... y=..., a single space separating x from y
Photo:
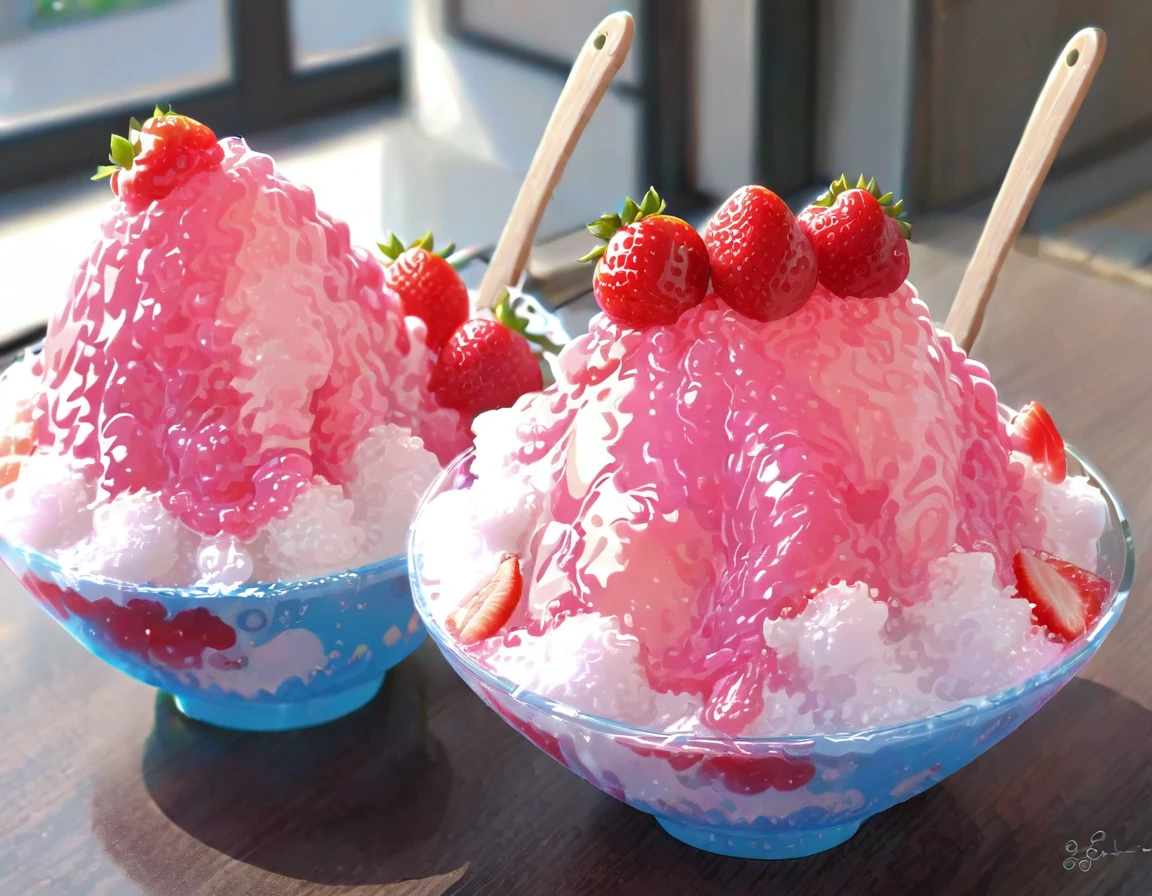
x=1073 y=57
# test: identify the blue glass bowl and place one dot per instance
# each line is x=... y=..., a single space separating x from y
x=779 y=797
x=259 y=657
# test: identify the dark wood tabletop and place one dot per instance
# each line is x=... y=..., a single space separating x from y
x=105 y=789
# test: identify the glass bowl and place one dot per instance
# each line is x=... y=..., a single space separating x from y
x=257 y=657
x=777 y=797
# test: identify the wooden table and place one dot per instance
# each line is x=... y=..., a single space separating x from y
x=105 y=789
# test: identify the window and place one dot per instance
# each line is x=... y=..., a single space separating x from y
x=328 y=33
x=75 y=58
x=72 y=71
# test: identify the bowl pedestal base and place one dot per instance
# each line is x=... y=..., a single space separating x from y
x=253 y=716
x=746 y=844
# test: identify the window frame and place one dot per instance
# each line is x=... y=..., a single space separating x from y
x=785 y=92
x=662 y=81
x=265 y=91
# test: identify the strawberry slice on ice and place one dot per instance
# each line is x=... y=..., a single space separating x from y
x=1065 y=599
x=1033 y=432
x=487 y=611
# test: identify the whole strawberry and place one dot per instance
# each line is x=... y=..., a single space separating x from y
x=762 y=264
x=158 y=156
x=653 y=268
x=483 y=366
x=861 y=246
x=427 y=285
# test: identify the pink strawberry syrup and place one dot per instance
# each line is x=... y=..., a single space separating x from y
x=224 y=346
x=710 y=475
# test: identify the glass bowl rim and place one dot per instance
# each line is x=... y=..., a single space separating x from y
x=912 y=728
x=376 y=571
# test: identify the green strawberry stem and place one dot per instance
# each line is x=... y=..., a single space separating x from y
x=392 y=248
x=606 y=226
x=894 y=209
x=506 y=314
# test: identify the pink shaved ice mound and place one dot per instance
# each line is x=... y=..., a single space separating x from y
x=228 y=389
x=762 y=528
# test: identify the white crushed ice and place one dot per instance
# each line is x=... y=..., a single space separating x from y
x=132 y=538
x=857 y=662
x=393 y=469
x=223 y=560
x=589 y=664
x=49 y=506
x=317 y=536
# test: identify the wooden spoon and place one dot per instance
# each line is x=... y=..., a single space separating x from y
x=599 y=60
x=1055 y=109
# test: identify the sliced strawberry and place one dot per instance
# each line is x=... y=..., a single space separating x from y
x=486 y=611
x=1065 y=599
x=1033 y=432
x=10 y=469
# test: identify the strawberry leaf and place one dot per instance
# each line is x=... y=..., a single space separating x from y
x=391 y=248
x=606 y=226
x=122 y=152
x=603 y=230
x=651 y=204
x=425 y=242
x=892 y=209
x=629 y=212
x=594 y=254
x=134 y=126
x=446 y=251
x=105 y=171
x=507 y=313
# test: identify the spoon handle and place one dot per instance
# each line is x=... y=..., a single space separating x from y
x=599 y=60
x=1055 y=109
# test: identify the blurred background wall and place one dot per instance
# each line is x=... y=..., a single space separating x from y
x=929 y=96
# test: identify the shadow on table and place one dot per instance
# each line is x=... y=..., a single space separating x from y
x=1000 y=825
x=338 y=804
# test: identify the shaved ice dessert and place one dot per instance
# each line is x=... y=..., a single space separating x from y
x=786 y=506
x=208 y=469
x=231 y=392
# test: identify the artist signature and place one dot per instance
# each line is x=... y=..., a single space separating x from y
x=1082 y=859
